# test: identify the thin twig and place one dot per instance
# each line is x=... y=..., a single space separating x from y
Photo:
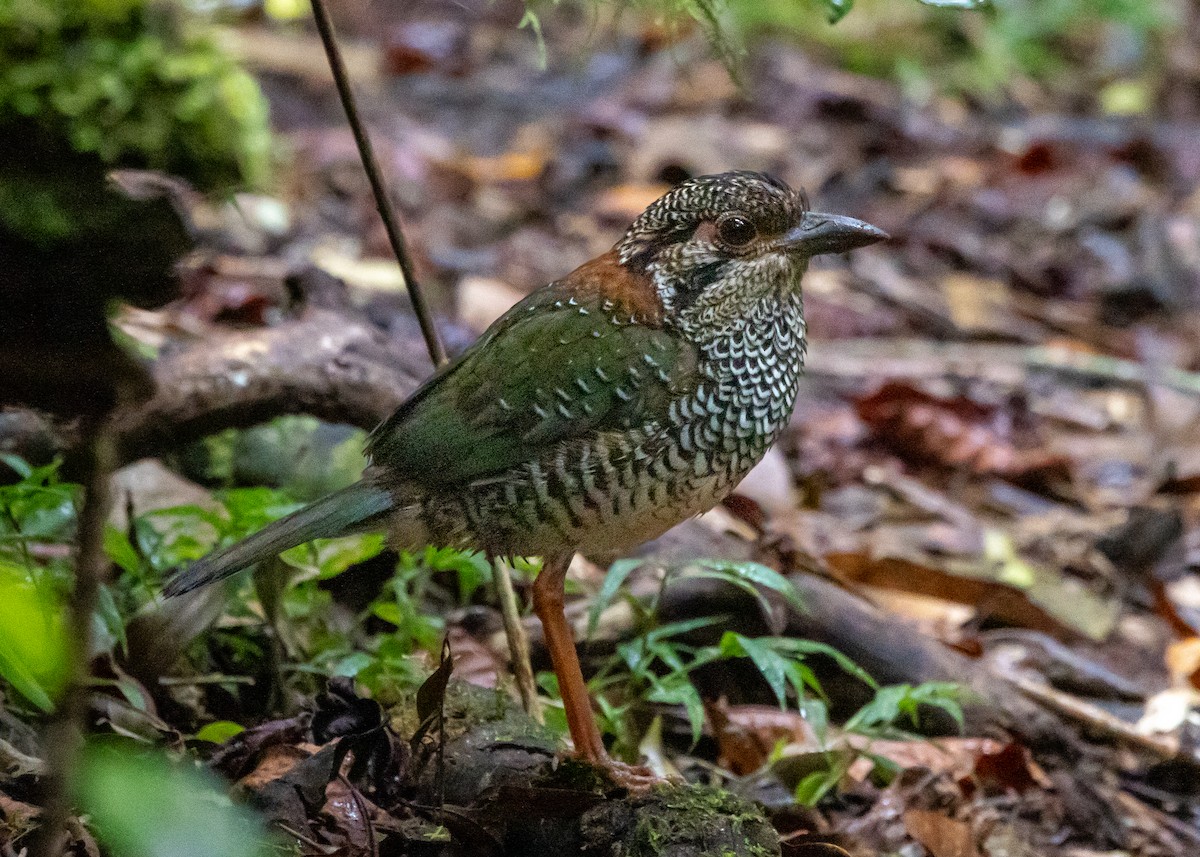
x=518 y=639
x=518 y=642
x=63 y=737
x=383 y=202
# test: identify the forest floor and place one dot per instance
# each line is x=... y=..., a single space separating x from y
x=992 y=476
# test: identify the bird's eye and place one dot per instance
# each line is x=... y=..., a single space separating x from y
x=735 y=230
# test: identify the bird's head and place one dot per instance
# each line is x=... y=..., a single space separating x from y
x=716 y=245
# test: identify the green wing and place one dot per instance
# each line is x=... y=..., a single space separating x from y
x=552 y=368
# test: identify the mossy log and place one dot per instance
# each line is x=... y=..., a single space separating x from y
x=502 y=788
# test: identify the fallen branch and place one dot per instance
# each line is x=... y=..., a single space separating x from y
x=324 y=363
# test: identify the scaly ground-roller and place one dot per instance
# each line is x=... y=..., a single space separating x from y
x=599 y=411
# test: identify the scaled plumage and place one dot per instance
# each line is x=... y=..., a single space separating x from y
x=605 y=407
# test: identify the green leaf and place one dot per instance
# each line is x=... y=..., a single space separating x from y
x=141 y=804
x=903 y=700
x=33 y=638
x=677 y=690
x=838 y=9
x=618 y=573
x=352 y=664
x=883 y=709
x=219 y=731
x=109 y=624
x=815 y=786
x=757 y=574
x=816 y=712
x=794 y=646
x=334 y=556
x=683 y=626
x=120 y=550
x=18 y=464
x=772 y=667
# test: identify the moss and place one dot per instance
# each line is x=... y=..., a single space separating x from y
x=577 y=776
x=673 y=821
x=101 y=84
x=468 y=708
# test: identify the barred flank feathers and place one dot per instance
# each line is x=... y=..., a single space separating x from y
x=341 y=513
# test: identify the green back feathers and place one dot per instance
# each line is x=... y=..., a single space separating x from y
x=556 y=366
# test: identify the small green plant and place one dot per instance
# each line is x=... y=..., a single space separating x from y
x=723 y=22
x=656 y=667
x=973 y=47
x=981 y=49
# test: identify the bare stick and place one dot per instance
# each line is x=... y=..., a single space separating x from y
x=64 y=735
x=383 y=202
x=518 y=638
x=518 y=643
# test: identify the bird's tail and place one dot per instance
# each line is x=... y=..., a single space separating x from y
x=339 y=514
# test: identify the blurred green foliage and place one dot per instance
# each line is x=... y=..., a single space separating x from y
x=982 y=49
x=306 y=457
x=143 y=805
x=119 y=83
x=33 y=633
x=33 y=638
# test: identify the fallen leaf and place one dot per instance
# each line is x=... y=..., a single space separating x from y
x=1052 y=603
x=955 y=757
x=1008 y=769
x=1183 y=662
x=747 y=735
x=941 y=835
x=624 y=202
x=954 y=432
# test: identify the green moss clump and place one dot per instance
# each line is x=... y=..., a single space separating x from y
x=712 y=820
x=117 y=83
x=677 y=820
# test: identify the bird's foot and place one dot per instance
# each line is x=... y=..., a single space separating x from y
x=636 y=779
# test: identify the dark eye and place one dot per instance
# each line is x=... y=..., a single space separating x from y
x=735 y=230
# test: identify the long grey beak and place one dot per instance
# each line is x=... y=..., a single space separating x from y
x=830 y=233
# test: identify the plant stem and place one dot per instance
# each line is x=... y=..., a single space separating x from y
x=64 y=736
x=383 y=202
x=518 y=640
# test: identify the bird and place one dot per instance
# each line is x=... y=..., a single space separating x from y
x=600 y=410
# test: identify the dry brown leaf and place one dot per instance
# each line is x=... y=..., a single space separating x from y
x=275 y=762
x=1183 y=662
x=748 y=734
x=621 y=204
x=999 y=600
x=941 y=835
x=956 y=757
x=954 y=432
x=474 y=661
x=350 y=815
x=1009 y=768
